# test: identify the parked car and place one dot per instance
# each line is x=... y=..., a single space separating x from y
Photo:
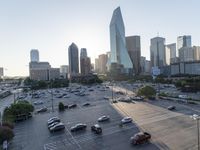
x=140 y=138
x=171 y=107
x=53 y=124
x=43 y=109
x=72 y=106
x=103 y=118
x=96 y=128
x=53 y=120
x=126 y=120
x=78 y=127
x=38 y=102
x=86 y=104
x=57 y=127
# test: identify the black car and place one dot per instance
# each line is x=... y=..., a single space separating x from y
x=96 y=128
x=72 y=106
x=171 y=107
x=78 y=127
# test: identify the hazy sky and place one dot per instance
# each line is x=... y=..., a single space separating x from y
x=52 y=25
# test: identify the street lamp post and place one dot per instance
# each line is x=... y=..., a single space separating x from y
x=197 y=118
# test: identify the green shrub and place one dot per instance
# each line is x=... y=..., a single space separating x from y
x=147 y=91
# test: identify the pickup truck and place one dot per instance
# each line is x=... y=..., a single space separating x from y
x=140 y=138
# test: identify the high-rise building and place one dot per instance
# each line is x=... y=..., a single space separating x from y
x=142 y=63
x=103 y=58
x=73 y=59
x=64 y=69
x=34 y=55
x=183 y=41
x=83 y=53
x=1 y=72
x=196 y=50
x=96 y=65
x=157 y=52
x=85 y=62
x=186 y=54
x=119 y=53
x=134 y=50
x=170 y=53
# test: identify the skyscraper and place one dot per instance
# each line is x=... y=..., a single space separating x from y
x=34 y=55
x=183 y=41
x=157 y=52
x=119 y=53
x=196 y=50
x=64 y=69
x=170 y=52
x=103 y=58
x=85 y=62
x=83 y=53
x=134 y=50
x=73 y=59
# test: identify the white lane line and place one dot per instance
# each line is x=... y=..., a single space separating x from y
x=75 y=140
x=79 y=146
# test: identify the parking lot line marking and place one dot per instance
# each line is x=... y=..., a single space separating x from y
x=79 y=146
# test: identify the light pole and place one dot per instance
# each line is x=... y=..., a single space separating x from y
x=197 y=118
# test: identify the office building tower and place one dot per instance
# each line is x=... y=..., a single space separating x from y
x=73 y=59
x=157 y=52
x=85 y=62
x=64 y=69
x=96 y=65
x=196 y=50
x=103 y=58
x=34 y=55
x=1 y=72
x=170 y=53
x=83 y=53
x=119 y=53
x=186 y=54
x=134 y=50
x=183 y=41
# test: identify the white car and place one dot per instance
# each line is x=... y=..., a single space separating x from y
x=57 y=127
x=38 y=102
x=51 y=119
x=103 y=118
x=126 y=120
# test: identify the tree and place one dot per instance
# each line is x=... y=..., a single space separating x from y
x=61 y=106
x=5 y=134
x=17 y=109
x=147 y=91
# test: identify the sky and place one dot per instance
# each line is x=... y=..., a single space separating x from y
x=52 y=25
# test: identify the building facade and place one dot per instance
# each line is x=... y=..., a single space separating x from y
x=34 y=54
x=134 y=50
x=103 y=58
x=186 y=54
x=64 y=69
x=196 y=50
x=157 y=52
x=1 y=72
x=73 y=59
x=183 y=41
x=119 y=53
x=170 y=52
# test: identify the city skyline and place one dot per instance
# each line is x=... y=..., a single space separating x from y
x=51 y=27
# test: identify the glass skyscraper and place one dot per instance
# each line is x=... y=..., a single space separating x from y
x=119 y=53
x=183 y=41
x=73 y=59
